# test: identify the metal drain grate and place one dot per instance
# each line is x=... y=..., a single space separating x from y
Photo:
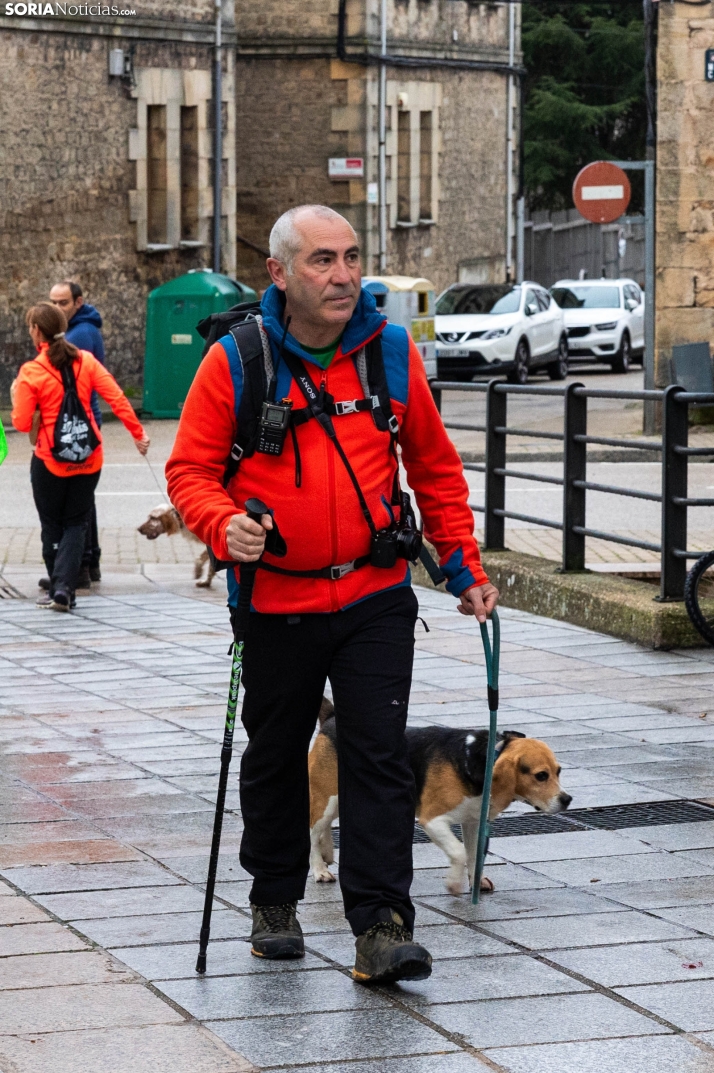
x=646 y=814
x=607 y=818
x=9 y=592
x=532 y=823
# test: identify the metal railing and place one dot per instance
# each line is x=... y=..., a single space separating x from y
x=674 y=450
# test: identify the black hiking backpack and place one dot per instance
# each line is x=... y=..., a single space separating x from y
x=74 y=436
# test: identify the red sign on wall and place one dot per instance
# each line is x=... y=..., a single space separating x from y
x=601 y=192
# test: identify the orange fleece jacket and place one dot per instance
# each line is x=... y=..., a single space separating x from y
x=39 y=384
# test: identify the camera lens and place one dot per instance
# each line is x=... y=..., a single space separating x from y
x=409 y=543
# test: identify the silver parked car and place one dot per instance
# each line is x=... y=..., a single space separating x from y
x=489 y=328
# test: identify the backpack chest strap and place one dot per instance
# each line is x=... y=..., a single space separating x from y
x=337 y=409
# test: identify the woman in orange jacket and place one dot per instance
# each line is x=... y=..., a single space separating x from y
x=63 y=491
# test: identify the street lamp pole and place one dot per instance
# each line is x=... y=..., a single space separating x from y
x=217 y=142
x=382 y=161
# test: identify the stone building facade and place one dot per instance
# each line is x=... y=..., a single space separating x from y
x=685 y=182
x=107 y=178
x=447 y=99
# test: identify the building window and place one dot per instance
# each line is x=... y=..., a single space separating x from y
x=404 y=153
x=189 y=174
x=413 y=145
x=156 y=172
x=425 y=165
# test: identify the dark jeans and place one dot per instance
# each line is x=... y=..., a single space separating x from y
x=367 y=653
x=63 y=504
x=92 y=551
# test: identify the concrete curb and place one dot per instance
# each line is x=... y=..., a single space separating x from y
x=618 y=606
x=619 y=455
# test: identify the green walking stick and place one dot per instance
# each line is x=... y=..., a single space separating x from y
x=255 y=510
x=492 y=653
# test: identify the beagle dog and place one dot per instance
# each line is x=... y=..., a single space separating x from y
x=166 y=519
x=449 y=767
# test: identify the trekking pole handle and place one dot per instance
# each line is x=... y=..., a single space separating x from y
x=255 y=509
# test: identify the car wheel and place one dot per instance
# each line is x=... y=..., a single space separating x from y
x=558 y=369
x=519 y=372
x=623 y=358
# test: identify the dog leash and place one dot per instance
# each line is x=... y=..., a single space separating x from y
x=156 y=479
x=492 y=651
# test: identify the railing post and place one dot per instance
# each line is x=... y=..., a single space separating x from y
x=575 y=423
x=495 y=490
x=436 y=395
x=675 y=433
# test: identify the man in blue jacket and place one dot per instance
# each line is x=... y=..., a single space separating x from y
x=83 y=330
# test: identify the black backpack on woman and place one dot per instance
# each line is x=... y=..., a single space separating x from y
x=74 y=438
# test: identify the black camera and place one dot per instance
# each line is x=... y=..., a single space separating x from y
x=401 y=541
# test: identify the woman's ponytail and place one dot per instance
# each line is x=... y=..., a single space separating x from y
x=52 y=325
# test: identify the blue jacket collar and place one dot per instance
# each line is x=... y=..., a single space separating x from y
x=86 y=314
x=365 y=323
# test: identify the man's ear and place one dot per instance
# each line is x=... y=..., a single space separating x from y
x=277 y=273
x=79 y=301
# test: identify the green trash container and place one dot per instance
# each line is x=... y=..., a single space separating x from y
x=173 y=346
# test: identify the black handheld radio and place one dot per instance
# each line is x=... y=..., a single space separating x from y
x=274 y=425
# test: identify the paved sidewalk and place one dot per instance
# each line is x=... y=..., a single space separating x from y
x=595 y=954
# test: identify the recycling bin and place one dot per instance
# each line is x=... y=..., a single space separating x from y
x=409 y=301
x=173 y=346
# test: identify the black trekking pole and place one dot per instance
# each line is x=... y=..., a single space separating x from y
x=255 y=510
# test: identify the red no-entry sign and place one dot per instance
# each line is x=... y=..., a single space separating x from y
x=601 y=192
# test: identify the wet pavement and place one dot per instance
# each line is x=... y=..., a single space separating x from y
x=596 y=953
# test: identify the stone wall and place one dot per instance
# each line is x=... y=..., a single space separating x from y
x=297 y=108
x=65 y=178
x=73 y=192
x=685 y=183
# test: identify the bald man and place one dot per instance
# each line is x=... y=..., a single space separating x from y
x=339 y=605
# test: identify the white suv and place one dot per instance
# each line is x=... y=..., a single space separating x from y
x=605 y=319
x=483 y=329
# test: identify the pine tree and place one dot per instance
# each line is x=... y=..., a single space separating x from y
x=584 y=93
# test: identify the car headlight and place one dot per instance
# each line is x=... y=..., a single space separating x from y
x=497 y=333
x=609 y=327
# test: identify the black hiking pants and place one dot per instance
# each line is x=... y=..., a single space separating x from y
x=367 y=653
x=63 y=504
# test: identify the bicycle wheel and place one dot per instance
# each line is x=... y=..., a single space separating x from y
x=699 y=596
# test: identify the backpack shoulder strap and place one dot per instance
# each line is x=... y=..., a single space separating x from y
x=384 y=418
x=250 y=374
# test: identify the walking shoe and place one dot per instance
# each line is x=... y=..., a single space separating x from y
x=45 y=601
x=386 y=952
x=83 y=578
x=95 y=574
x=44 y=583
x=276 y=931
x=61 y=601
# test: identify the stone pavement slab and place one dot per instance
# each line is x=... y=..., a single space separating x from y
x=304 y=1038
x=509 y=1022
x=663 y=1054
x=110 y=733
x=642 y=963
x=689 y=1004
x=176 y=1048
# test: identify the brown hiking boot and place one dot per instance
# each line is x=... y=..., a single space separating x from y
x=387 y=952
